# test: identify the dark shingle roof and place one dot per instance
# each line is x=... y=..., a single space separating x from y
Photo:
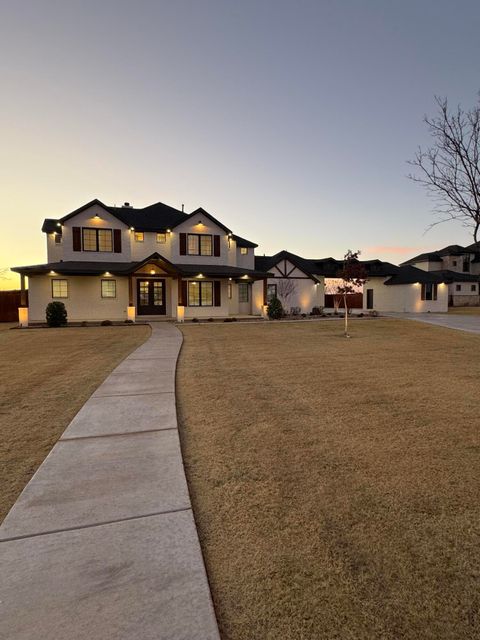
x=242 y=242
x=454 y=276
x=410 y=275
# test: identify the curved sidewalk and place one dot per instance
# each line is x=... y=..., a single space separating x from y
x=102 y=543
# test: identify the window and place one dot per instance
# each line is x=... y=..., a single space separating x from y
x=200 y=294
x=58 y=238
x=161 y=238
x=243 y=292
x=474 y=287
x=458 y=287
x=271 y=292
x=199 y=245
x=229 y=290
x=466 y=265
x=243 y=251
x=109 y=288
x=59 y=288
x=429 y=291
x=454 y=263
x=139 y=236
x=97 y=239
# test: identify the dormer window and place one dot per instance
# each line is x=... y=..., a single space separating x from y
x=97 y=239
x=199 y=244
x=139 y=236
x=243 y=251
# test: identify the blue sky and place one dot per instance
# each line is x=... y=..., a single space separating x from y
x=290 y=121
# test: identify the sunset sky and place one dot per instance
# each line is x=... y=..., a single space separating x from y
x=290 y=121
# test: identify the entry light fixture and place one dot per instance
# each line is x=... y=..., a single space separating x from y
x=132 y=228
x=229 y=278
x=96 y=216
x=169 y=231
x=59 y=224
x=52 y=273
x=230 y=234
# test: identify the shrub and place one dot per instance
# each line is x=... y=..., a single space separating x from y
x=210 y=320
x=304 y=315
x=317 y=311
x=373 y=313
x=128 y=321
x=195 y=320
x=275 y=309
x=56 y=314
x=106 y=323
x=234 y=319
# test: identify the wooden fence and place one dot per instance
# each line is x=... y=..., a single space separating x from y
x=354 y=301
x=9 y=303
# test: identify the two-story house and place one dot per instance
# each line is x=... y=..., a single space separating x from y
x=120 y=263
x=458 y=267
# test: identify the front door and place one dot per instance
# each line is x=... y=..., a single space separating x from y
x=151 y=297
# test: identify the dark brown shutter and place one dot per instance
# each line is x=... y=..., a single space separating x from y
x=77 y=238
x=117 y=240
x=216 y=293
x=434 y=291
x=184 y=301
x=423 y=292
x=183 y=244
x=216 y=245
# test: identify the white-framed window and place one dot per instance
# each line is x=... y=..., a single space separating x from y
x=58 y=238
x=97 y=239
x=199 y=244
x=139 y=236
x=271 y=292
x=109 y=288
x=243 y=291
x=59 y=288
x=243 y=251
x=429 y=291
x=200 y=294
x=161 y=238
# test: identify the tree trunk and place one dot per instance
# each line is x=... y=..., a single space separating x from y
x=346 y=314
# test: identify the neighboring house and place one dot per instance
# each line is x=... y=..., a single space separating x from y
x=457 y=266
x=120 y=262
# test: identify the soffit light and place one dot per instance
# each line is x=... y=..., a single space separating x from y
x=152 y=271
x=52 y=273
x=169 y=231
x=59 y=224
x=200 y=275
x=107 y=273
x=132 y=228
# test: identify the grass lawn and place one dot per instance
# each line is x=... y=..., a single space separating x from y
x=335 y=482
x=470 y=311
x=46 y=376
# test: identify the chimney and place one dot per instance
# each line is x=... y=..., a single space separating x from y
x=183 y=207
x=127 y=205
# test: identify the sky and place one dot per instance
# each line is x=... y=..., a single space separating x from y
x=292 y=122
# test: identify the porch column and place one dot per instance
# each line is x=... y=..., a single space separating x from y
x=23 y=308
x=131 y=312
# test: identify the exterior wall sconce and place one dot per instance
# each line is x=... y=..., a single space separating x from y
x=200 y=275
x=96 y=216
x=107 y=273
x=132 y=228
x=59 y=224
x=169 y=231
x=152 y=272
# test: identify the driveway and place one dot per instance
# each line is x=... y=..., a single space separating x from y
x=462 y=323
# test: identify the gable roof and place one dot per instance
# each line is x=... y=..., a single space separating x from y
x=410 y=275
x=155 y=217
x=266 y=263
x=450 y=250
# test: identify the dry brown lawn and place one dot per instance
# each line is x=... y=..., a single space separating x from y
x=335 y=482
x=469 y=311
x=46 y=375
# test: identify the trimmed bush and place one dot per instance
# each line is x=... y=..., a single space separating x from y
x=106 y=323
x=56 y=314
x=275 y=309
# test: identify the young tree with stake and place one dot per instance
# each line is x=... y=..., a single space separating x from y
x=353 y=276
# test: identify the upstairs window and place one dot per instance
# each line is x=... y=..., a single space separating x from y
x=429 y=291
x=466 y=265
x=139 y=236
x=59 y=288
x=454 y=263
x=199 y=244
x=458 y=287
x=474 y=287
x=161 y=238
x=97 y=239
x=243 y=251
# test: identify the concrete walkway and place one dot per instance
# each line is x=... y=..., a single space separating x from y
x=449 y=321
x=102 y=543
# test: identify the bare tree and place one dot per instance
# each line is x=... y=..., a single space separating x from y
x=353 y=277
x=450 y=169
x=286 y=288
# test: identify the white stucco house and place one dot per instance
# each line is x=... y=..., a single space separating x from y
x=458 y=267
x=119 y=263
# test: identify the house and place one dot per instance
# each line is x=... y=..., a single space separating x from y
x=121 y=263
x=388 y=287
x=458 y=267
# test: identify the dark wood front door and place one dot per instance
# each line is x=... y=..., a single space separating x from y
x=151 y=297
